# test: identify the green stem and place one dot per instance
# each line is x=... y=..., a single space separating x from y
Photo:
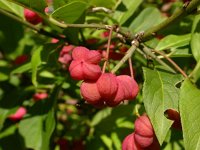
x=128 y=55
x=27 y=24
x=172 y=62
x=63 y=25
x=148 y=52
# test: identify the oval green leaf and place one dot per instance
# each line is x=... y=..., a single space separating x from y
x=190 y=115
x=173 y=41
x=149 y=17
x=160 y=94
x=195 y=44
x=70 y=12
x=38 y=5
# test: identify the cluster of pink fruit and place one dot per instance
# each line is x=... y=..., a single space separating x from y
x=100 y=89
x=143 y=138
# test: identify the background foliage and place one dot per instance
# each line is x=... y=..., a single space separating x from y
x=64 y=117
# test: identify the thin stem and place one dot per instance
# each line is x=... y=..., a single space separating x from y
x=107 y=50
x=27 y=24
x=131 y=67
x=103 y=9
x=148 y=52
x=64 y=25
x=137 y=111
x=172 y=62
x=128 y=54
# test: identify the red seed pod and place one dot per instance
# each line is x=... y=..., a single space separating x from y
x=144 y=132
x=107 y=86
x=54 y=40
x=65 y=56
x=76 y=70
x=80 y=53
x=18 y=115
x=80 y=70
x=175 y=116
x=154 y=146
x=40 y=96
x=91 y=72
x=66 y=49
x=32 y=17
x=91 y=41
x=130 y=144
x=94 y=57
x=143 y=141
x=123 y=49
x=105 y=34
x=63 y=144
x=65 y=59
x=21 y=59
x=130 y=86
x=118 y=97
x=90 y=92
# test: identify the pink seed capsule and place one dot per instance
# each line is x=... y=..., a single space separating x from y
x=107 y=86
x=32 y=17
x=18 y=115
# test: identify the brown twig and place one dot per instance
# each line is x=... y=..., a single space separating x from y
x=107 y=50
x=172 y=62
x=131 y=67
x=129 y=53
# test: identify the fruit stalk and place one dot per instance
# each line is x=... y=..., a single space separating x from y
x=107 y=51
x=172 y=62
x=128 y=55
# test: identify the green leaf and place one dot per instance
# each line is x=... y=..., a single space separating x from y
x=70 y=12
x=8 y=131
x=107 y=141
x=181 y=52
x=7 y=27
x=57 y=4
x=148 y=18
x=195 y=44
x=22 y=69
x=116 y=140
x=107 y=3
x=35 y=63
x=12 y=7
x=131 y=7
x=31 y=130
x=100 y=116
x=190 y=115
x=4 y=113
x=38 y=5
x=37 y=130
x=3 y=77
x=173 y=41
x=46 y=74
x=195 y=74
x=159 y=94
